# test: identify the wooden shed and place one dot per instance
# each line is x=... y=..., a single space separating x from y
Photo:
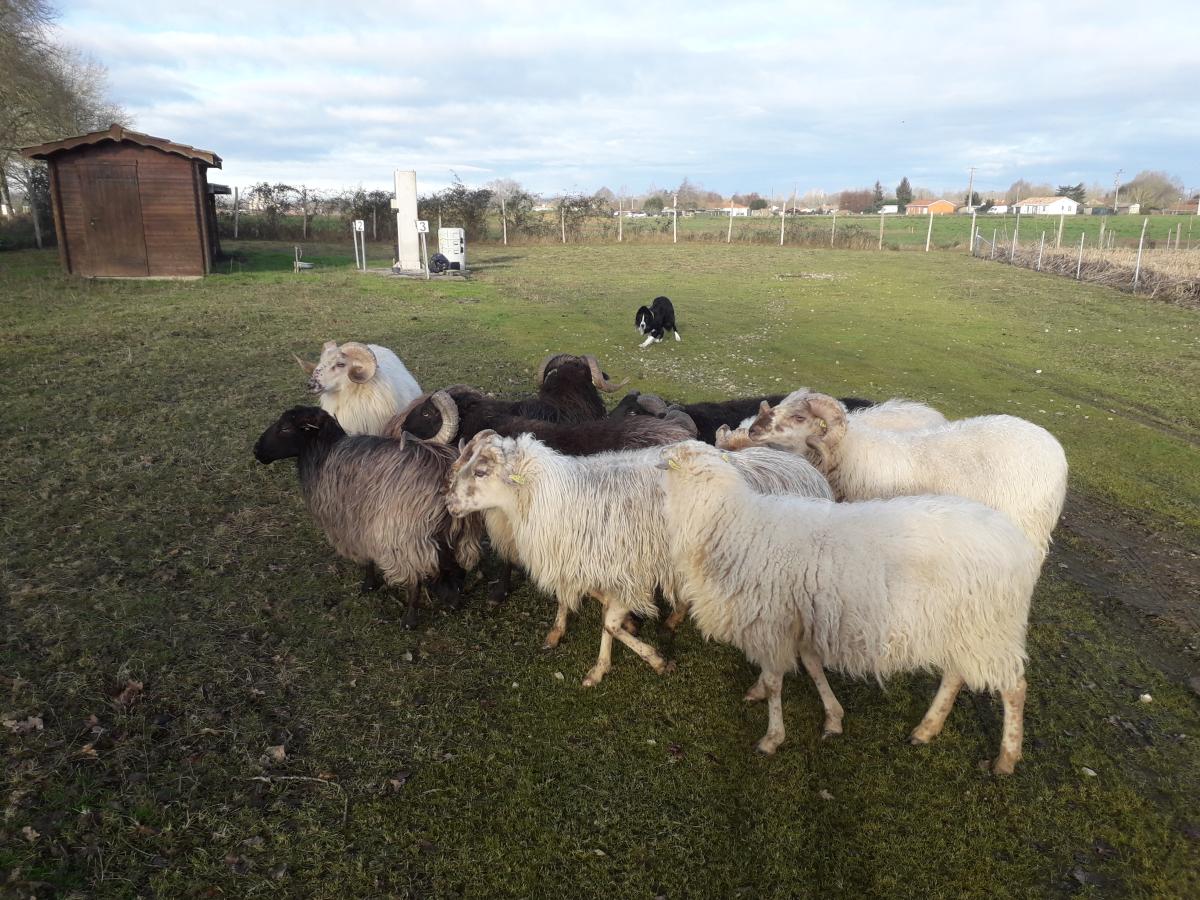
x=128 y=205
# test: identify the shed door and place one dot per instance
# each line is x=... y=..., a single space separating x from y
x=113 y=209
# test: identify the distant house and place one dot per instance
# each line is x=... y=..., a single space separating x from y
x=1000 y=209
x=735 y=210
x=1184 y=208
x=890 y=209
x=929 y=208
x=1131 y=209
x=1048 y=206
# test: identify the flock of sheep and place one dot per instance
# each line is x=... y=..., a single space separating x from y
x=868 y=538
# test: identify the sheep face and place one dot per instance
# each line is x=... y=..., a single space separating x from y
x=340 y=366
x=734 y=439
x=803 y=422
x=483 y=476
x=295 y=429
x=422 y=419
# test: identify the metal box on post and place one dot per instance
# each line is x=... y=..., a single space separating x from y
x=452 y=244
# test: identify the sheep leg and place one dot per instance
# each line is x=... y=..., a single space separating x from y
x=1014 y=729
x=943 y=701
x=833 y=709
x=555 y=634
x=410 y=614
x=604 y=660
x=614 y=623
x=372 y=579
x=758 y=690
x=678 y=614
x=500 y=590
x=775 y=734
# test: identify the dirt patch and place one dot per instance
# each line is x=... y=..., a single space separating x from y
x=1154 y=579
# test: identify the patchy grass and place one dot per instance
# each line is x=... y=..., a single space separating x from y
x=143 y=545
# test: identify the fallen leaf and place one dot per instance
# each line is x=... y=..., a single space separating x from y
x=29 y=834
x=88 y=750
x=33 y=723
x=275 y=754
x=824 y=794
x=1091 y=773
x=400 y=780
x=130 y=693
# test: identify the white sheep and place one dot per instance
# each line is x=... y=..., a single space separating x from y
x=361 y=385
x=593 y=525
x=870 y=589
x=1004 y=462
x=897 y=414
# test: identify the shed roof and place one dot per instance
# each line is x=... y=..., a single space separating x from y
x=1042 y=201
x=927 y=202
x=117 y=133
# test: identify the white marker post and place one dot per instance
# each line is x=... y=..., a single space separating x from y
x=1041 y=249
x=881 y=231
x=1079 y=262
x=729 y=233
x=972 y=232
x=1012 y=253
x=929 y=231
x=1137 y=269
x=359 y=233
x=503 y=221
x=675 y=219
x=833 y=229
x=422 y=226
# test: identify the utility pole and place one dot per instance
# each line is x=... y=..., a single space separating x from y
x=971 y=188
x=1116 y=189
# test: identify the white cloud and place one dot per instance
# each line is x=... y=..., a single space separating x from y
x=737 y=96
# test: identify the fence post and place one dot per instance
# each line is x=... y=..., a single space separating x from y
x=995 y=231
x=1061 y=219
x=881 y=231
x=503 y=221
x=1040 y=249
x=972 y=232
x=235 y=213
x=1100 y=240
x=563 y=213
x=1137 y=269
x=675 y=219
x=1178 y=233
x=729 y=233
x=833 y=230
x=929 y=232
x=1012 y=253
x=1079 y=262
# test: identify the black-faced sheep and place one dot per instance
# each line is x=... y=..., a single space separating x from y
x=360 y=385
x=379 y=501
x=871 y=589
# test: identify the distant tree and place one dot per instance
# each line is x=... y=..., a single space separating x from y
x=274 y=201
x=1153 y=190
x=904 y=193
x=972 y=199
x=986 y=205
x=856 y=201
x=1022 y=189
x=576 y=209
x=758 y=203
x=1075 y=191
x=458 y=206
x=653 y=205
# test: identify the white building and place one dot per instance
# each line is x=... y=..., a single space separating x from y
x=1048 y=206
x=890 y=209
x=736 y=210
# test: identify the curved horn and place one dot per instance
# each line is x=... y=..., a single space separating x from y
x=362 y=361
x=306 y=366
x=598 y=378
x=541 y=372
x=653 y=404
x=449 y=412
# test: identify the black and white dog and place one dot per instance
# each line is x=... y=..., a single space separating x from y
x=656 y=320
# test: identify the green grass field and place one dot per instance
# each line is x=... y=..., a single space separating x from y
x=143 y=545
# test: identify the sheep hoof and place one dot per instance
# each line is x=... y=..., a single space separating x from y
x=767 y=746
x=551 y=641
x=594 y=677
x=1004 y=765
x=668 y=667
x=831 y=731
x=755 y=694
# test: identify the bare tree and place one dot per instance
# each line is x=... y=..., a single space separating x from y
x=1153 y=190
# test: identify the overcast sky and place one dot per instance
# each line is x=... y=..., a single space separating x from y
x=735 y=96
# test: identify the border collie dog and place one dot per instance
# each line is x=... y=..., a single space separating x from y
x=656 y=320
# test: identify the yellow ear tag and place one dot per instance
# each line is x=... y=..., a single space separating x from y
x=725 y=456
x=671 y=464
x=516 y=479
x=821 y=422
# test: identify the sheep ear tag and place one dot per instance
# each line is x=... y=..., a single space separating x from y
x=824 y=426
x=673 y=465
x=516 y=478
x=725 y=456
